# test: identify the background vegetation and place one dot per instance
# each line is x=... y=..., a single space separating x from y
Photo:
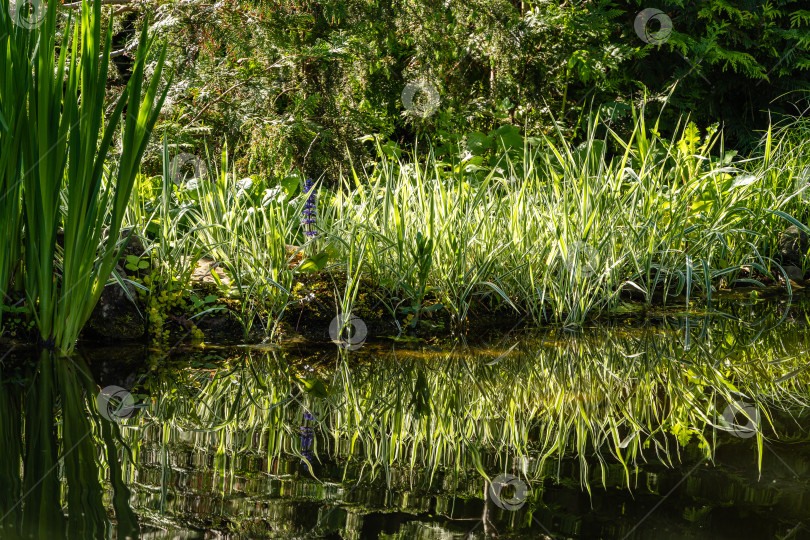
x=269 y=76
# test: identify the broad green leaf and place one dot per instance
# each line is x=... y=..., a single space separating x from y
x=478 y=143
x=315 y=263
x=508 y=137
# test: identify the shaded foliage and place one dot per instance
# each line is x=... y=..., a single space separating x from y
x=286 y=79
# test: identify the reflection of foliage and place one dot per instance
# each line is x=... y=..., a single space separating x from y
x=451 y=413
x=416 y=421
x=696 y=515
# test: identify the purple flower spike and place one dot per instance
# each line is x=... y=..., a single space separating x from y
x=307 y=435
x=309 y=213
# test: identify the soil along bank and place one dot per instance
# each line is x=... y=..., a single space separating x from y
x=311 y=317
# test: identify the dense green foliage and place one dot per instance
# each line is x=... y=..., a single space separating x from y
x=536 y=152
x=272 y=76
x=519 y=161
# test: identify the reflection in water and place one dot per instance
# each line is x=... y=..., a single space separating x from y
x=56 y=451
x=684 y=428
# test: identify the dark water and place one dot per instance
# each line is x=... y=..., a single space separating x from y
x=615 y=432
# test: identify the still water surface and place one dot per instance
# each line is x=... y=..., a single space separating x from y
x=681 y=427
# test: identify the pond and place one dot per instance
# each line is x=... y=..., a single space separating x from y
x=684 y=426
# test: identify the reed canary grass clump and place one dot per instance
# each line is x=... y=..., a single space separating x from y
x=558 y=232
x=550 y=231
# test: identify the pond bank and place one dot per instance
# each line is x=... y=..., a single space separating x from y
x=308 y=319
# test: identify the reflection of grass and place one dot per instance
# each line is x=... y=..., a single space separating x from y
x=422 y=422
x=603 y=399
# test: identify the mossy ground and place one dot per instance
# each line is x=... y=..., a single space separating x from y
x=181 y=315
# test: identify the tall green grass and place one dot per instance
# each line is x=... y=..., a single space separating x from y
x=246 y=229
x=558 y=231
x=61 y=161
x=15 y=64
x=248 y=239
x=551 y=231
